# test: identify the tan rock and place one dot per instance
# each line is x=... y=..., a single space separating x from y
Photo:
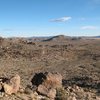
x=50 y=84
x=7 y=88
x=42 y=90
x=15 y=83
x=35 y=96
x=54 y=79
x=52 y=93
x=13 y=86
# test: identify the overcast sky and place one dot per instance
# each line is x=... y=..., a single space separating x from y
x=49 y=17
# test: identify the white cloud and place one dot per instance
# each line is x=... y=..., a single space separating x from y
x=62 y=19
x=88 y=27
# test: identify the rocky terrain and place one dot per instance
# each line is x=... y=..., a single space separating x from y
x=70 y=68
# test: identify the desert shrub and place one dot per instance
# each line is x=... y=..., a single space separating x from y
x=16 y=46
x=61 y=94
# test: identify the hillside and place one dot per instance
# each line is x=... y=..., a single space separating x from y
x=76 y=59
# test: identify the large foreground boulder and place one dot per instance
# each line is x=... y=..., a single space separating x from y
x=47 y=83
x=12 y=86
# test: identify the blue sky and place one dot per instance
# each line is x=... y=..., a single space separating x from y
x=49 y=17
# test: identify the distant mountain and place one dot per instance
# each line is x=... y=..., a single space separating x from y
x=58 y=38
x=92 y=37
x=97 y=36
x=49 y=38
x=36 y=39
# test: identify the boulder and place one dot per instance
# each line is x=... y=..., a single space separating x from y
x=47 y=83
x=51 y=93
x=7 y=88
x=12 y=86
x=15 y=83
x=53 y=80
x=47 y=78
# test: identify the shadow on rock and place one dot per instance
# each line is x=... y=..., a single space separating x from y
x=38 y=79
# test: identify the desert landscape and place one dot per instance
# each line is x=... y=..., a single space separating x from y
x=71 y=64
x=49 y=49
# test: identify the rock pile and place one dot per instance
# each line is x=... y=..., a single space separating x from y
x=47 y=83
x=48 y=86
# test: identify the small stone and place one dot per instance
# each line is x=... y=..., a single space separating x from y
x=1 y=86
x=74 y=98
x=1 y=94
x=52 y=93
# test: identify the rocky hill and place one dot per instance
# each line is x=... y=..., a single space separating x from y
x=77 y=60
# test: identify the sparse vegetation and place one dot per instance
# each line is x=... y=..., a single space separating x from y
x=62 y=94
x=77 y=61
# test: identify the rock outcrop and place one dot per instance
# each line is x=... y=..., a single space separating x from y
x=48 y=86
x=49 y=82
